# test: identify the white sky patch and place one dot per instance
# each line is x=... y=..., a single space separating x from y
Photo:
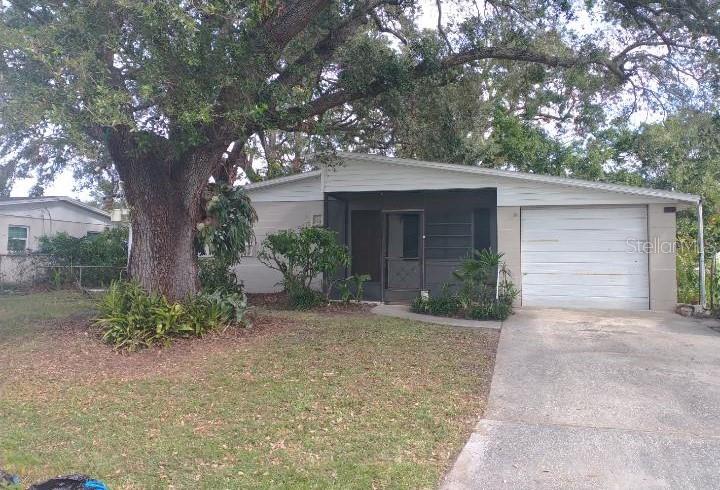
x=63 y=185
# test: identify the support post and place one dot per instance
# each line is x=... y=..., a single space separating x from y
x=701 y=247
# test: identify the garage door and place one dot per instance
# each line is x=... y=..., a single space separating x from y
x=584 y=257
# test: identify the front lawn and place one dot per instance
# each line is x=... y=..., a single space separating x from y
x=307 y=400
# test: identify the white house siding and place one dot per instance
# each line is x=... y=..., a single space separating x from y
x=41 y=218
x=663 y=277
x=48 y=218
x=279 y=207
x=305 y=189
x=358 y=175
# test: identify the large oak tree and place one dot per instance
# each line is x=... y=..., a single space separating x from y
x=170 y=93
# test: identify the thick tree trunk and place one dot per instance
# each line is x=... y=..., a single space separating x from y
x=162 y=256
x=164 y=192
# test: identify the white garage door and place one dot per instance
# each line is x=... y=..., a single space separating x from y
x=578 y=257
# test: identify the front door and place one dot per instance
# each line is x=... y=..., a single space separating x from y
x=403 y=250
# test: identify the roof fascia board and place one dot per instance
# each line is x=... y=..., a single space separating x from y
x=282 y=180
x=67 y=200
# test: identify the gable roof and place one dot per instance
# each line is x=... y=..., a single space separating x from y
x=282 y=180
x=14 y=201
x=478 y=170
x=549 y=179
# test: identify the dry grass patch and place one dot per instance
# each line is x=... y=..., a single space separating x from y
x=301 y=400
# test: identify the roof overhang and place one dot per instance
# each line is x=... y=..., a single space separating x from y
x=549 y=179
x=53 y=199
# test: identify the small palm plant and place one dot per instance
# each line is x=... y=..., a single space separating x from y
x=478 y=276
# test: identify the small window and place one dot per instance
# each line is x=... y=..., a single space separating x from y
x=317 y=220
x=411 y=235
x=92 y=234
x=17 y=239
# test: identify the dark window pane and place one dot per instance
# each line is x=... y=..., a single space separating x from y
x=411 y=235
x=481 y=239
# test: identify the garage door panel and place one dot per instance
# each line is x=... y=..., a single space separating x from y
x=620 y=243
x=583 y=257
x=577 y=245
x=597 y=212
x=636 y=281
x=586 y=302
x=580 y=267
x=609 y=224
x=584 y=290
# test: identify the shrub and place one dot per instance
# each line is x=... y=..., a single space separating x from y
x=480 y=295
x=216 y=275
x=302 y=298
x=445 y=304
x=352 y=287
x=131 y=318
x=490 y=310
x=301 y=256
x=226 y=232
x=107 y=251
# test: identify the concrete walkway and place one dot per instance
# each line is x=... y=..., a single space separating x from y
x=598 y=400
x=403 y=311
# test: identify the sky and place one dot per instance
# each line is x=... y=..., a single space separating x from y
x=64 y=184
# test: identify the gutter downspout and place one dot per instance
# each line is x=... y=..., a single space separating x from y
x=701 y=246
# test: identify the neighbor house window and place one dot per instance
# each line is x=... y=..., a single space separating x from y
x=17 y=239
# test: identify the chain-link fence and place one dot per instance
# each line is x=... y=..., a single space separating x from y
x=83 y=276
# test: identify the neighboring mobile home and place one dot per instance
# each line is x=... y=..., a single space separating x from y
x=409 y=223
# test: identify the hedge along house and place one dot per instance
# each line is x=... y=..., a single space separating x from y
x=409 y=223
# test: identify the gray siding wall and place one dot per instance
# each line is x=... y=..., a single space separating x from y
x=272 y=217
x=49 y=219
x=362 y=175
x=663 y=280
x=298 y=191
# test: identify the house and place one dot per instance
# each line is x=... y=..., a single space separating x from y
x=23 y=220
x=409 y=223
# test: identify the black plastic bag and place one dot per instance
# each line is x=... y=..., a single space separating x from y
x=70 y=482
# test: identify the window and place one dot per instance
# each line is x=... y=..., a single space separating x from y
x=317 y=220
x=411 y=235
x=17 y=239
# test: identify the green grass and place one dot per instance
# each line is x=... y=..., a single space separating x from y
x=307 y=401
x=23 y=314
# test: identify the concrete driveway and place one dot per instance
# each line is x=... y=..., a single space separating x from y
x=584 y=399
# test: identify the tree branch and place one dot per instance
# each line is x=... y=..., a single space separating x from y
x=291 y=18
x=292 y=118
x=324 y=49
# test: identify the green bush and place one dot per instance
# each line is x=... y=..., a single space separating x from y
x=131 y=318
x=479 y=296
x=351 y=288
x=446 y=303
x=301 y=256
x=216 y=275
x=303 y=298
x=106 y=252
x=490 y=310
